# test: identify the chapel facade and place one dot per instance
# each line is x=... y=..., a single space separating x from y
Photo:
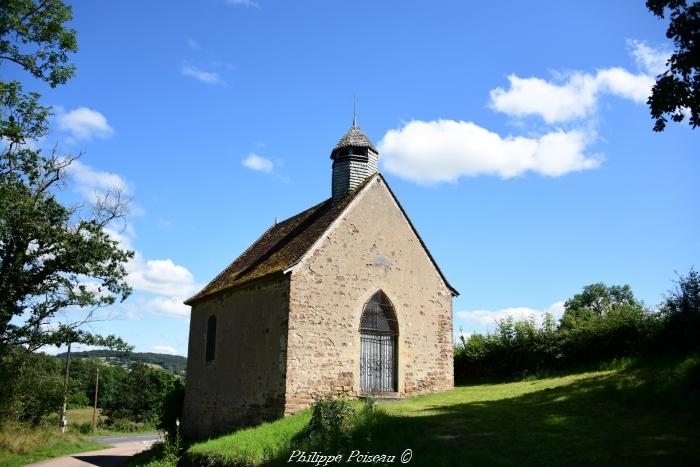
x=342 y=298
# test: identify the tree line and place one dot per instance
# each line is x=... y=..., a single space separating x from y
x=129 y=398
x=176 y=364
x=600 y=323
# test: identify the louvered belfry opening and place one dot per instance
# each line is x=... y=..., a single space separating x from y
x=379 y=332
x=354 y=159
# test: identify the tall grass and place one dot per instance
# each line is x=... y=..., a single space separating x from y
x=21 y=444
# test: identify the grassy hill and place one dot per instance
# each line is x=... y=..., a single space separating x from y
x=173 y=363
x=633 y=413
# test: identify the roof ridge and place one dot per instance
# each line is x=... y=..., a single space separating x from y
x=420 y=239
x=206 y=288
x=226 y=269
x=343 y=204
x=280 y=246
x=289 y=236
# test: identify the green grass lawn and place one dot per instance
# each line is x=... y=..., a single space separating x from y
x=637 y=414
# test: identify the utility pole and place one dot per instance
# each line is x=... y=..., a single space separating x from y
x=64 y=422
x=94 y=408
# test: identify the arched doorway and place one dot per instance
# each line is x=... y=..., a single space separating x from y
x=378 y=345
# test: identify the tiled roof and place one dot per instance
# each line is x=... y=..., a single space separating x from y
x=280 y=247
x=355 y=137
x=283 y=245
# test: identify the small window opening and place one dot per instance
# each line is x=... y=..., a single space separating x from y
x=211 y=338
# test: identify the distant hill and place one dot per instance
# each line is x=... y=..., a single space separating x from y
x=174 y=363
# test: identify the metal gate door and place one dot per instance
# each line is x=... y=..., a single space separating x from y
x=378 y=331
x=377 y=363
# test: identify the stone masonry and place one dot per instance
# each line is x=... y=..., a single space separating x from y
x=245 y=383
x=372 y=247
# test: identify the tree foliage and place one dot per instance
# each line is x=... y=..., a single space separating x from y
x=596 y=301
x=53 y=258
x=677 y=90
x=681 y=309
x=171 y=411
x=31 y=386
x=600 y=323
x=140 y=394
x=684 y=299
x=33 y=35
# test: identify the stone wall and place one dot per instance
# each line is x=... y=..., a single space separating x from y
x=372 y=247
x=245 y=383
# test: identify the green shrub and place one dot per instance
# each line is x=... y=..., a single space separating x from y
x=82 y=428
x=331 y=423
x=31 y=386
x=599 y=324
x=123 y=424
x=171 y=411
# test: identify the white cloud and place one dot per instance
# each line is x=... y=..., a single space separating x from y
x=649 y=59
x=209 y=77
x=244 y=3
x=576 y=97
x=173 y=306
x=444 y=150
x=91 y=183
x=166 y=349
x=84 y=123
x=259 y=163
x=136 y=309
x=622 y=83
x=53 y=350
x=552 y=102
x=160 y=276
x=481 y=320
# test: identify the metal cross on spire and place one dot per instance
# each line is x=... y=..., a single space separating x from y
x=354 y=111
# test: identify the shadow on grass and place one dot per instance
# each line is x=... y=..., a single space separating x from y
x=641 y=416
x=645 y=414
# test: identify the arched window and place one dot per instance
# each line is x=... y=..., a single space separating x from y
x=378 y=345
x=211 y=338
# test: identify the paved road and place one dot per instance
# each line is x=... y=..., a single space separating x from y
x=128 y=438
x=116 y=456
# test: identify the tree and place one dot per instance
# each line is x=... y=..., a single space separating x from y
x=140 y=395
x=598 y=301
x=31 y=386
x=33 y=35
x=53 y=258
x=681 y=310
x=684 y=299
x=171 y=411
x=677 y=90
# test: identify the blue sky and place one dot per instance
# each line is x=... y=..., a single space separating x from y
x=515 y=134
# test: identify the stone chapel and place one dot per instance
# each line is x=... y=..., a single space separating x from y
x=342 y=298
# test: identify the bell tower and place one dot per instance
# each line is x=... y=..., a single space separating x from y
x=354 y=159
